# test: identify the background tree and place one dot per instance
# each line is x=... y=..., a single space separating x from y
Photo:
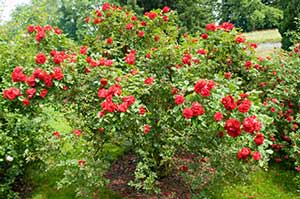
x=249 y=15
x=291 y=11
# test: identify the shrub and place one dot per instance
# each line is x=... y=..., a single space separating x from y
x=134 y=82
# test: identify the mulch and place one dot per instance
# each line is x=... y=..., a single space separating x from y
x=172 y=186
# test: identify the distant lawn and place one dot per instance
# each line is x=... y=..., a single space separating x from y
x=274 y=184
x=263 y=36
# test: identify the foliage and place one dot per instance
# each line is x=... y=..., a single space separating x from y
x=294 y=35
x=250 y=15
x=193 y=15
x=291 y=10
x=135 y=83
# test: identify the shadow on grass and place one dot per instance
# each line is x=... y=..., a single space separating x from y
x=44 y=185
x=276 y=183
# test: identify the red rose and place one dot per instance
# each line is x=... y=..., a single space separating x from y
x=174 y=91
x=30 y=29
x=115 y=90
x=26 y=102
x=130 y=58
x=47 y=28
x=87 y=20
x=83 y=50
x=129 y=26
x=165 y=9
x=57 y=31
x=205 y=92
x=129 y=100
x=259 y=139
x=272 y=109
x=103 y=81
x=102 y=93
x=43 y=93
x=256 y=155
x=248 y=64
x=11 y=93
x=197 y=109
x=30 y=92
x=18 y=75
x=251 y=124
x=226 y=26
x=218 y=116
x=151 y=15
x=105 y=6
x=58 y=58
x=211 y=27
x=204 y=36
x=40 y=58
x=109 y=40
x=122 y=108
x=77 y=132
x=228 y=75
x=240 y=39
x=108 y=62
x=142 y=110
x=56 y=134
x=203 y=87
x=199 y=85
x=202 y=51
x=58 y=74
x=233 y=127
x=253 y=45
x=179 y=99
x=187 y=113
x=81 y=163
x=149 y=80
x=244 y=106
x=108 y=105
x=40 y=35
x=243 y=153
x=141 y=33
x=228 y=103
x=183 y=168
x=186 y=59
x=147 y=129
x=30 y=81
x=47 y=79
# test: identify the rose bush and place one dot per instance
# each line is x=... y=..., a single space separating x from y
x=26 y=91
x=135 y=82
x=139 y=83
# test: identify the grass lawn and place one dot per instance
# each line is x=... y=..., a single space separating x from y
x=273 y=184
x=264 y=36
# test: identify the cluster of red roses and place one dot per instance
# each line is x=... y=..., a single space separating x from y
x=204 y=87
x=41 y=31
x=152 y=15
x=94 y=63
x=245 y=152
x=226 y=26
x=38 y=75
x=130 y=58
x=100 y=17
x=250 y=124
x=108 y=105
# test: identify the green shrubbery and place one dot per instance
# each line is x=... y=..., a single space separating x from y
x=135 y=82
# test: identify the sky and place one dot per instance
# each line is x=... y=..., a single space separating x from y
x=9 y=6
